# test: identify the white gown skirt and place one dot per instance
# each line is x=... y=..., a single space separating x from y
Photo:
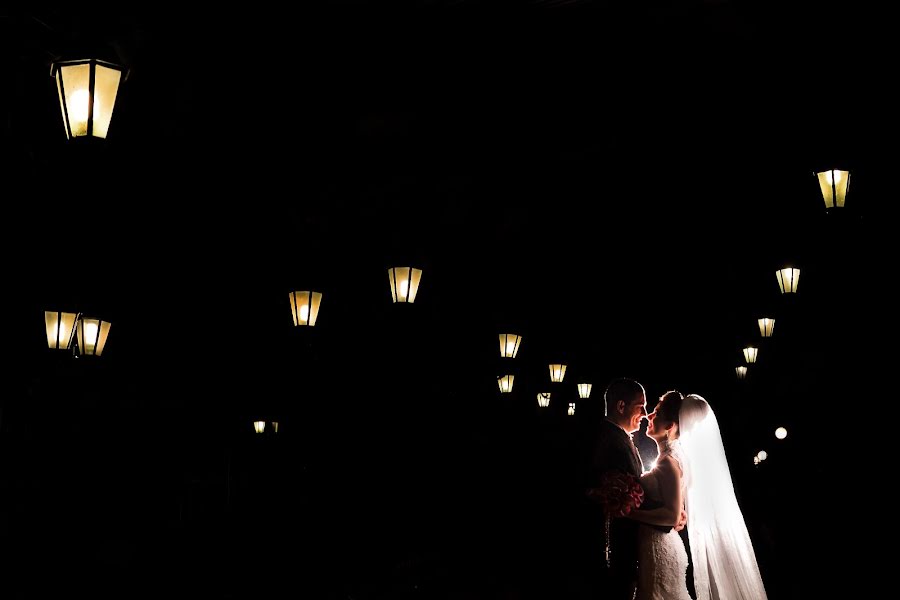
x=662 y=566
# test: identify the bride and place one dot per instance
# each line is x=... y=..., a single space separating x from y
x=692 y=473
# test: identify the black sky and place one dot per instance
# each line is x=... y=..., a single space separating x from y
x=617 y=183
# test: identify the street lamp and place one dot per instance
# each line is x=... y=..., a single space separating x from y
x=509 y=344
x=781 y=433
x=571 y=411
x=305 y=308
x=584 y=390
x=834 y=184
x=506 y=383
x=92 y=335
x=557 y=373
x=750 y=354
x=766 y=327
x=60 y=329
x=404 y=283
x=788 y=280
x=741 y=372
x=87 y=95
x=259 y=426
x=275 y=426
x=543 y=399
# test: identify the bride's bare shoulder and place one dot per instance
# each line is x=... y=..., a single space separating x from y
x=669 y=464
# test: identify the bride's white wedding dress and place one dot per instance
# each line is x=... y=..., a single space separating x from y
x=662 y=559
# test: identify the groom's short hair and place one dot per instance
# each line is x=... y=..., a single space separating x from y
x=623 y=389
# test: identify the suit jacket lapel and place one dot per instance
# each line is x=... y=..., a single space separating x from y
x=637 y=456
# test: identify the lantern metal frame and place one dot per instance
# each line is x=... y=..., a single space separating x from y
x=312 y=301
x=56 y=71
x=834 y=192
x=505 y=340
x=766 y=326
x=557 y=372
x=412 y=276
x=788 y=279
x=750 y=354
x=60 y=335
x=100 y=336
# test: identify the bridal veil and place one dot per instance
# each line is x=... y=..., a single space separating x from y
x=725 y=565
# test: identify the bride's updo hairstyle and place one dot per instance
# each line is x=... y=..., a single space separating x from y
x=670 y=406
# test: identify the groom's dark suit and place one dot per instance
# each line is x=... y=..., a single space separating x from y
x=615 y=451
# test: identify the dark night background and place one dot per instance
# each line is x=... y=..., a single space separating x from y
x=618 y=182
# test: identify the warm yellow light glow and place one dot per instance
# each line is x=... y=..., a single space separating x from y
x=834 y=185
x=87 y=110
x=506 y=383
x=509 y=345
x=78 y=111
x=741 y=372
x=543 y=399
x=766 y=327
x=584 y=390
x=788 y=280
x=92 y=336
x=305 y=308
x=571 y=411
x=275 y=426
x=750 y=354
x=404 y=283
x=762 y=455
x=557 y=373
x=259 y=426
x=60 y=327
x=781 y=433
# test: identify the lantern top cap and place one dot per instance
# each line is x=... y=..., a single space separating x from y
x=57 y=64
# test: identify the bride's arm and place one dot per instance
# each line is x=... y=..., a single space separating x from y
x=668 y=474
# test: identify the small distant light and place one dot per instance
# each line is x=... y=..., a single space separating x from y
x=755 y=460
x=762 y=455
x=781 y=433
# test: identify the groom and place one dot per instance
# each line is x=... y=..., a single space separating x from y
x=626 y=406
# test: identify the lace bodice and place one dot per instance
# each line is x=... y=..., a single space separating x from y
x=662 y=557
x=650 y=482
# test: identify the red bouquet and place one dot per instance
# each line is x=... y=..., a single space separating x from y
x=619 y=493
